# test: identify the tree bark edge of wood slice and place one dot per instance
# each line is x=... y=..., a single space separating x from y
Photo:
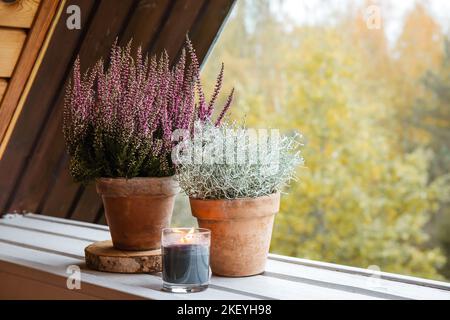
x=102 y=256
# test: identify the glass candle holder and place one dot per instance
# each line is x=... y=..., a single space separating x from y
x=185 y=259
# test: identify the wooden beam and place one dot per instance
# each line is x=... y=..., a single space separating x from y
x=181 y=19
x=145 y=22
x=101 y=219
x=26 y=62
x=214 y=16
x=19 y=14
x=88 y=206
x=10 y=48
x=60 y=196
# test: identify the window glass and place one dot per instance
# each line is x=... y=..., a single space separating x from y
x=368 y=85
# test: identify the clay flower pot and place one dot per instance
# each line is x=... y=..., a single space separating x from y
x=241 y=230
x=137 y=210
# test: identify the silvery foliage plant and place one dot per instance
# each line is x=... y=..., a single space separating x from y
x=232 y=162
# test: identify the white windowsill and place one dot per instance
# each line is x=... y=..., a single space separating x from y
x=36 y=250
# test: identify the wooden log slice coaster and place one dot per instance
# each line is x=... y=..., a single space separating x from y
x=102 y=256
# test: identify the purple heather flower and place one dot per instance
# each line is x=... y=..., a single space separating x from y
x=118 y=120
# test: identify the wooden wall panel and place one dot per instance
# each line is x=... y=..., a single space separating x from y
x=19 y=14
x=10 y=48
x=3 y=85
x=22 y=70
x=49 y=147
x=37 y=177
x=31 y=123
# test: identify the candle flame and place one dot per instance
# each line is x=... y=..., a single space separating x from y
x=188 y=237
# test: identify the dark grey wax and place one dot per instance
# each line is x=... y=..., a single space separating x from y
x=185 y=264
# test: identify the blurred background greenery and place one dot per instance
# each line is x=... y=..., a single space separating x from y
x=374 y=107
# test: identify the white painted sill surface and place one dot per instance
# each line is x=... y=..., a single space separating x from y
x=35 y=251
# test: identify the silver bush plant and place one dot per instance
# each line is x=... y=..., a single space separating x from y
x=229 y=162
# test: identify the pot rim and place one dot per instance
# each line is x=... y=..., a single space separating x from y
x=272 y=195
x=134 y=178
x=138 y=186
x=237 y=209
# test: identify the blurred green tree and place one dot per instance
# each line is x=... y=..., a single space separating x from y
x=432 y=114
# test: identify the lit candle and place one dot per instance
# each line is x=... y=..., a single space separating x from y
x=185 y=259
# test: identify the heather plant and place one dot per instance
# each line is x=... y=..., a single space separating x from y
x=227 y=162
x=118 y=121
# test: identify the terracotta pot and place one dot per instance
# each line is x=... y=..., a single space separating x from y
x=137 y=210
x=241 y=230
